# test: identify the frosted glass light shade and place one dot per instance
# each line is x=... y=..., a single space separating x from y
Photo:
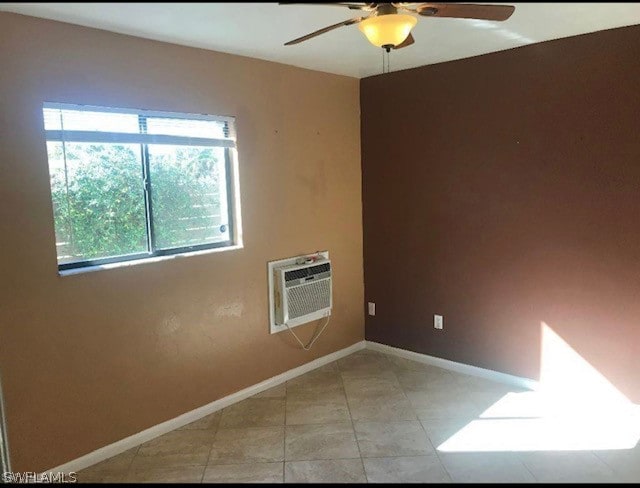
x=385 y=30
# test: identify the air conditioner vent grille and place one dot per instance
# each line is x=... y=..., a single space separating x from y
x=304 y=272
x=296 y=275
x=321 y=268
x=308 y=298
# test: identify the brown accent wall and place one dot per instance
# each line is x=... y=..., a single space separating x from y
x=503 y=191
x=89 y=359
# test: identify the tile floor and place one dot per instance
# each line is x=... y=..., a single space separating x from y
x=368 y=417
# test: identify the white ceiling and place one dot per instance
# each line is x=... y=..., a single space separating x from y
x=259 y=30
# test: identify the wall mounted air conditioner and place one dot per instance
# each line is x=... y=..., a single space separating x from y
x=300 y=290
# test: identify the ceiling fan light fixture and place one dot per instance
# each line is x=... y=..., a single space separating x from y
x=387 y=30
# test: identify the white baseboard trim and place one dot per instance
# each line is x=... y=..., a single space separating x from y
x=489 y=374
x=123 y=445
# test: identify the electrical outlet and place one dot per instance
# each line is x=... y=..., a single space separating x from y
x=438 y=321
x=372 y=308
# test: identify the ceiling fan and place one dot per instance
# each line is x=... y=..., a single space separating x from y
x=388 y=25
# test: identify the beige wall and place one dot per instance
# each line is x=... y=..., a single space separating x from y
x=89 y=359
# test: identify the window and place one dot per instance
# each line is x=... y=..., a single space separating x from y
x=130 y=184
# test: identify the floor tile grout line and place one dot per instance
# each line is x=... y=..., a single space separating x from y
x=424 y=430
x=204 y=471
x=435 y=451
x=213 y=440
x=353 y=427
x=284 y=431
x=368 y=457
x=528 y=470
x=466 y=390
x=338 y=373
x=252 y=427
x=244 y=461
x=615 y=471
x=128 y=470
x=332 y=458
x=616 y=474
x=429 y=454
x=413 y=409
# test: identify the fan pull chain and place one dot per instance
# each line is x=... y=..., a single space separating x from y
x=385 y=61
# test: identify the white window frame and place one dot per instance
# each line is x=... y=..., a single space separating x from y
x=232 y=204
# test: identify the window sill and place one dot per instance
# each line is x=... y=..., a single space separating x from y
x=125 y=264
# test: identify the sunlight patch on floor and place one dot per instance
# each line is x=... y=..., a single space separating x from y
x=575 y=408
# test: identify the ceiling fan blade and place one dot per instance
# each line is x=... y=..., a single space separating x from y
x=326 y=29
x=407 y=42
x=351 y=5
x=466 y=11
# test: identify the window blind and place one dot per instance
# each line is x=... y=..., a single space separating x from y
x=83 y=123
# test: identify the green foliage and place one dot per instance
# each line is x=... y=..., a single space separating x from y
x=185 y=196
x=99 y=206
